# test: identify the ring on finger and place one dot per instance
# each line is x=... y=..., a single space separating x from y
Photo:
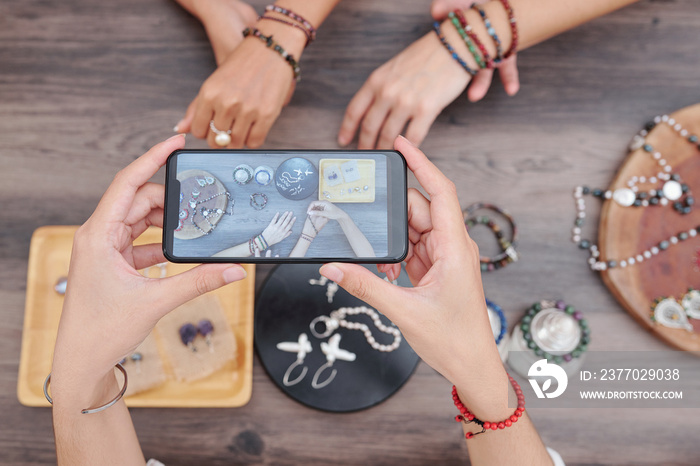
x=223 y=138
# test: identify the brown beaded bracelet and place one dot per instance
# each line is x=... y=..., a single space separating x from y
x=513 y=28
x=307 y=25
x=271 y=44
x=289 y=23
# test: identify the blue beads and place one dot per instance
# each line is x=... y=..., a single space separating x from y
x=502 y=318
x=451 y=50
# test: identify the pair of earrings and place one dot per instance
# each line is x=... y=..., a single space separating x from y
x=136 y=358
x=188 y=332
x=302 y=347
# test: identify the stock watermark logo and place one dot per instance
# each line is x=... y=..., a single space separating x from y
x=551 y=371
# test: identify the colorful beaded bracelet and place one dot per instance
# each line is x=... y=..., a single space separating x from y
x=509 y=254
x=468 y=30
x=271 y=44
x=562 y=306
x=491 y=31
x=307 y=25
x=513 y=29
x=467 y=40
x=468 y=417
x=501 y=317
x=289 y=23
x=438 y=31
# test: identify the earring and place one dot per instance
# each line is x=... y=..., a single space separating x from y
x=205 y=328
x=188 y=332
x=301 y=347
x=333 y=353
x=691 y=303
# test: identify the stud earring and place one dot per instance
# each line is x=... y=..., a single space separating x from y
x=188 y=332
x=333 y=353
x=301 y=347
x=205 y=328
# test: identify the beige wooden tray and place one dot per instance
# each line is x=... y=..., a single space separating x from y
x=361 y=190
x=49 y=257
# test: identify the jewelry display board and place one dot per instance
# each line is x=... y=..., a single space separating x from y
x=49 y=258
x=626 y=231
x=287 y=303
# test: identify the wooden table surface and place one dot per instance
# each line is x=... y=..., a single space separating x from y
x=87 y=86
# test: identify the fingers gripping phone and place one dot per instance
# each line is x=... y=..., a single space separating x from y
x=285 y=206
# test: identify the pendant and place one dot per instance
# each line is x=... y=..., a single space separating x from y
x=669 y=313
x=691 y=304
x=624 y=196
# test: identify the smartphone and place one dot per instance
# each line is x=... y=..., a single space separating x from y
x=285 y=206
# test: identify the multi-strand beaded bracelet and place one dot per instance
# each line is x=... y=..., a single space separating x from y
x=474 y=45
x=297 y=21
x=468 y=417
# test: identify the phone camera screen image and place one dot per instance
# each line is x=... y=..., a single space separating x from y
x=285 y=206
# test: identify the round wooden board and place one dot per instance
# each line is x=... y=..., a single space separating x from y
x=189 y=231
x=627 y=231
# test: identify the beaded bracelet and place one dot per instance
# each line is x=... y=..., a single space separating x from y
x=491 y=31
x=289 y=23
x=271 y=44
x=562 y=306
x=438 y=31
x=467 y=39
x=509 y=254
x=307 y=25
x=254 y=201
x=513 y=28
x=501 y=317
x=468 y=30
x=467 y=417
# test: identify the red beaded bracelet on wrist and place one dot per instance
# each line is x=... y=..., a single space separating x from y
x=513 y=28
x=289 y=23
x=300 y=19
x=468 y=30
x=467 y=417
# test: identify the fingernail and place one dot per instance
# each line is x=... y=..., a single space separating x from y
x=342 y=141
x=404 y=138
x=332 y=273
x=235 y=273
x=175 y=129
x=181 y=135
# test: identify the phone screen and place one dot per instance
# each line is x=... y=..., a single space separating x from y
x=285 y=206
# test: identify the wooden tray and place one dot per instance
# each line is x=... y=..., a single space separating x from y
x=339 y=193
x=625 y=231
x=49 y=257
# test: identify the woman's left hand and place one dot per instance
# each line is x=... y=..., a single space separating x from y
x=412 y=88
x=109 y=306
x=325 y=210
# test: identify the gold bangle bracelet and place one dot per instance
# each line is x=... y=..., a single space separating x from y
x=99 y=408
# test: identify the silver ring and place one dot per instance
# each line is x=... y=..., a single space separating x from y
x=223 y=138
x=325 y=320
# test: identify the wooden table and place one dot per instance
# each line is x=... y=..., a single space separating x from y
x=85 y=87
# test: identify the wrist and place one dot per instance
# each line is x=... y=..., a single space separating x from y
x=290 y=38
x=73 y=392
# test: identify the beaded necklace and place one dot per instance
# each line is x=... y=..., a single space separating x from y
x=672 y=190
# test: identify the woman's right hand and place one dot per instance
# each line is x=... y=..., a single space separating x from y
x=247 y=92
x=443 y=317
x=279 y=228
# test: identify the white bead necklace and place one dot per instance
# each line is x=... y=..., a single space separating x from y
x=337 y=319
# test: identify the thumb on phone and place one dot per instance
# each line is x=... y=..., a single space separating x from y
x=365 y=285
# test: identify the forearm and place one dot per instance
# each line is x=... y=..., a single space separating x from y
x=240 y=250
x=484 y=388
x=537 y=20
x=358 y=241
x=106 y=438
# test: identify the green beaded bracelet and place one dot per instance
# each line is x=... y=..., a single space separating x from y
x=562 y=306
x=467 y=40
